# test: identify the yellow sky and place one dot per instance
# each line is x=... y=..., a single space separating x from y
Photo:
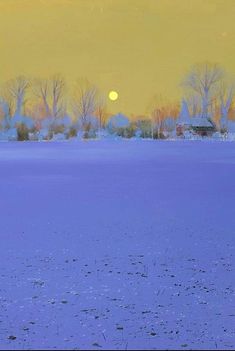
x=137 y=47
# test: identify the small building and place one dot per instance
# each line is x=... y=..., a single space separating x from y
x=203 y=126
x=198 y=124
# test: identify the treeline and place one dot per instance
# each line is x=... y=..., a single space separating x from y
x=43 y=109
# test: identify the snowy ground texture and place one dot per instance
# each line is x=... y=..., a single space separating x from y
x=121 y=245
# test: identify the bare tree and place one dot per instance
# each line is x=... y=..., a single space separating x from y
x=4 y=108
x=58 y=88
x=101 y=112
x=8 y=99
x=204 y=80
x=163 y=113
x=15 y=94
x=84 y=102
x=41 y=90
x=157 y=119
x=194 y=104
x=154 y=109
x=226 y=95
x=51 y=92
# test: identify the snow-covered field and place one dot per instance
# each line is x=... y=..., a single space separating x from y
x=121 y=245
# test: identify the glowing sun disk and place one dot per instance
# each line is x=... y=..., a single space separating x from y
x=113 y=95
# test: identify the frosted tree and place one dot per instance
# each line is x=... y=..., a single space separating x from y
x=204 y=81
x=15 y=94
x=84 y=102
x=160 y=110
x=226 y=95
x=169 y=124
x=4 y=108
x=41 y=90
x=155 y=109
x=51 y=92
x=184 y=115
x=4 y=113
x=101 y=112
x=58 y=90
x=194 y=104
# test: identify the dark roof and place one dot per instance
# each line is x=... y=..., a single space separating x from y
x=198 y=122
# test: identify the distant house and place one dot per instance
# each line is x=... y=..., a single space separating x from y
x=203 y=126
x=198 y=124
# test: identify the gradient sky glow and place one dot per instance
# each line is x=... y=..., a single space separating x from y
x=138 y=48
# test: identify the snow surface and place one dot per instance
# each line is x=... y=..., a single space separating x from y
x=117 y=244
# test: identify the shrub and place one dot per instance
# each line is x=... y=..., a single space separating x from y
x=57 y=129
x=88 y=131
x=126 y=132
x=117 y=122
x=159 y=135
x=22 y=132
x=145 y=128
x=72 y=133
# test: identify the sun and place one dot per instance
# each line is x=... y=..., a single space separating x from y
x=113 y=95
